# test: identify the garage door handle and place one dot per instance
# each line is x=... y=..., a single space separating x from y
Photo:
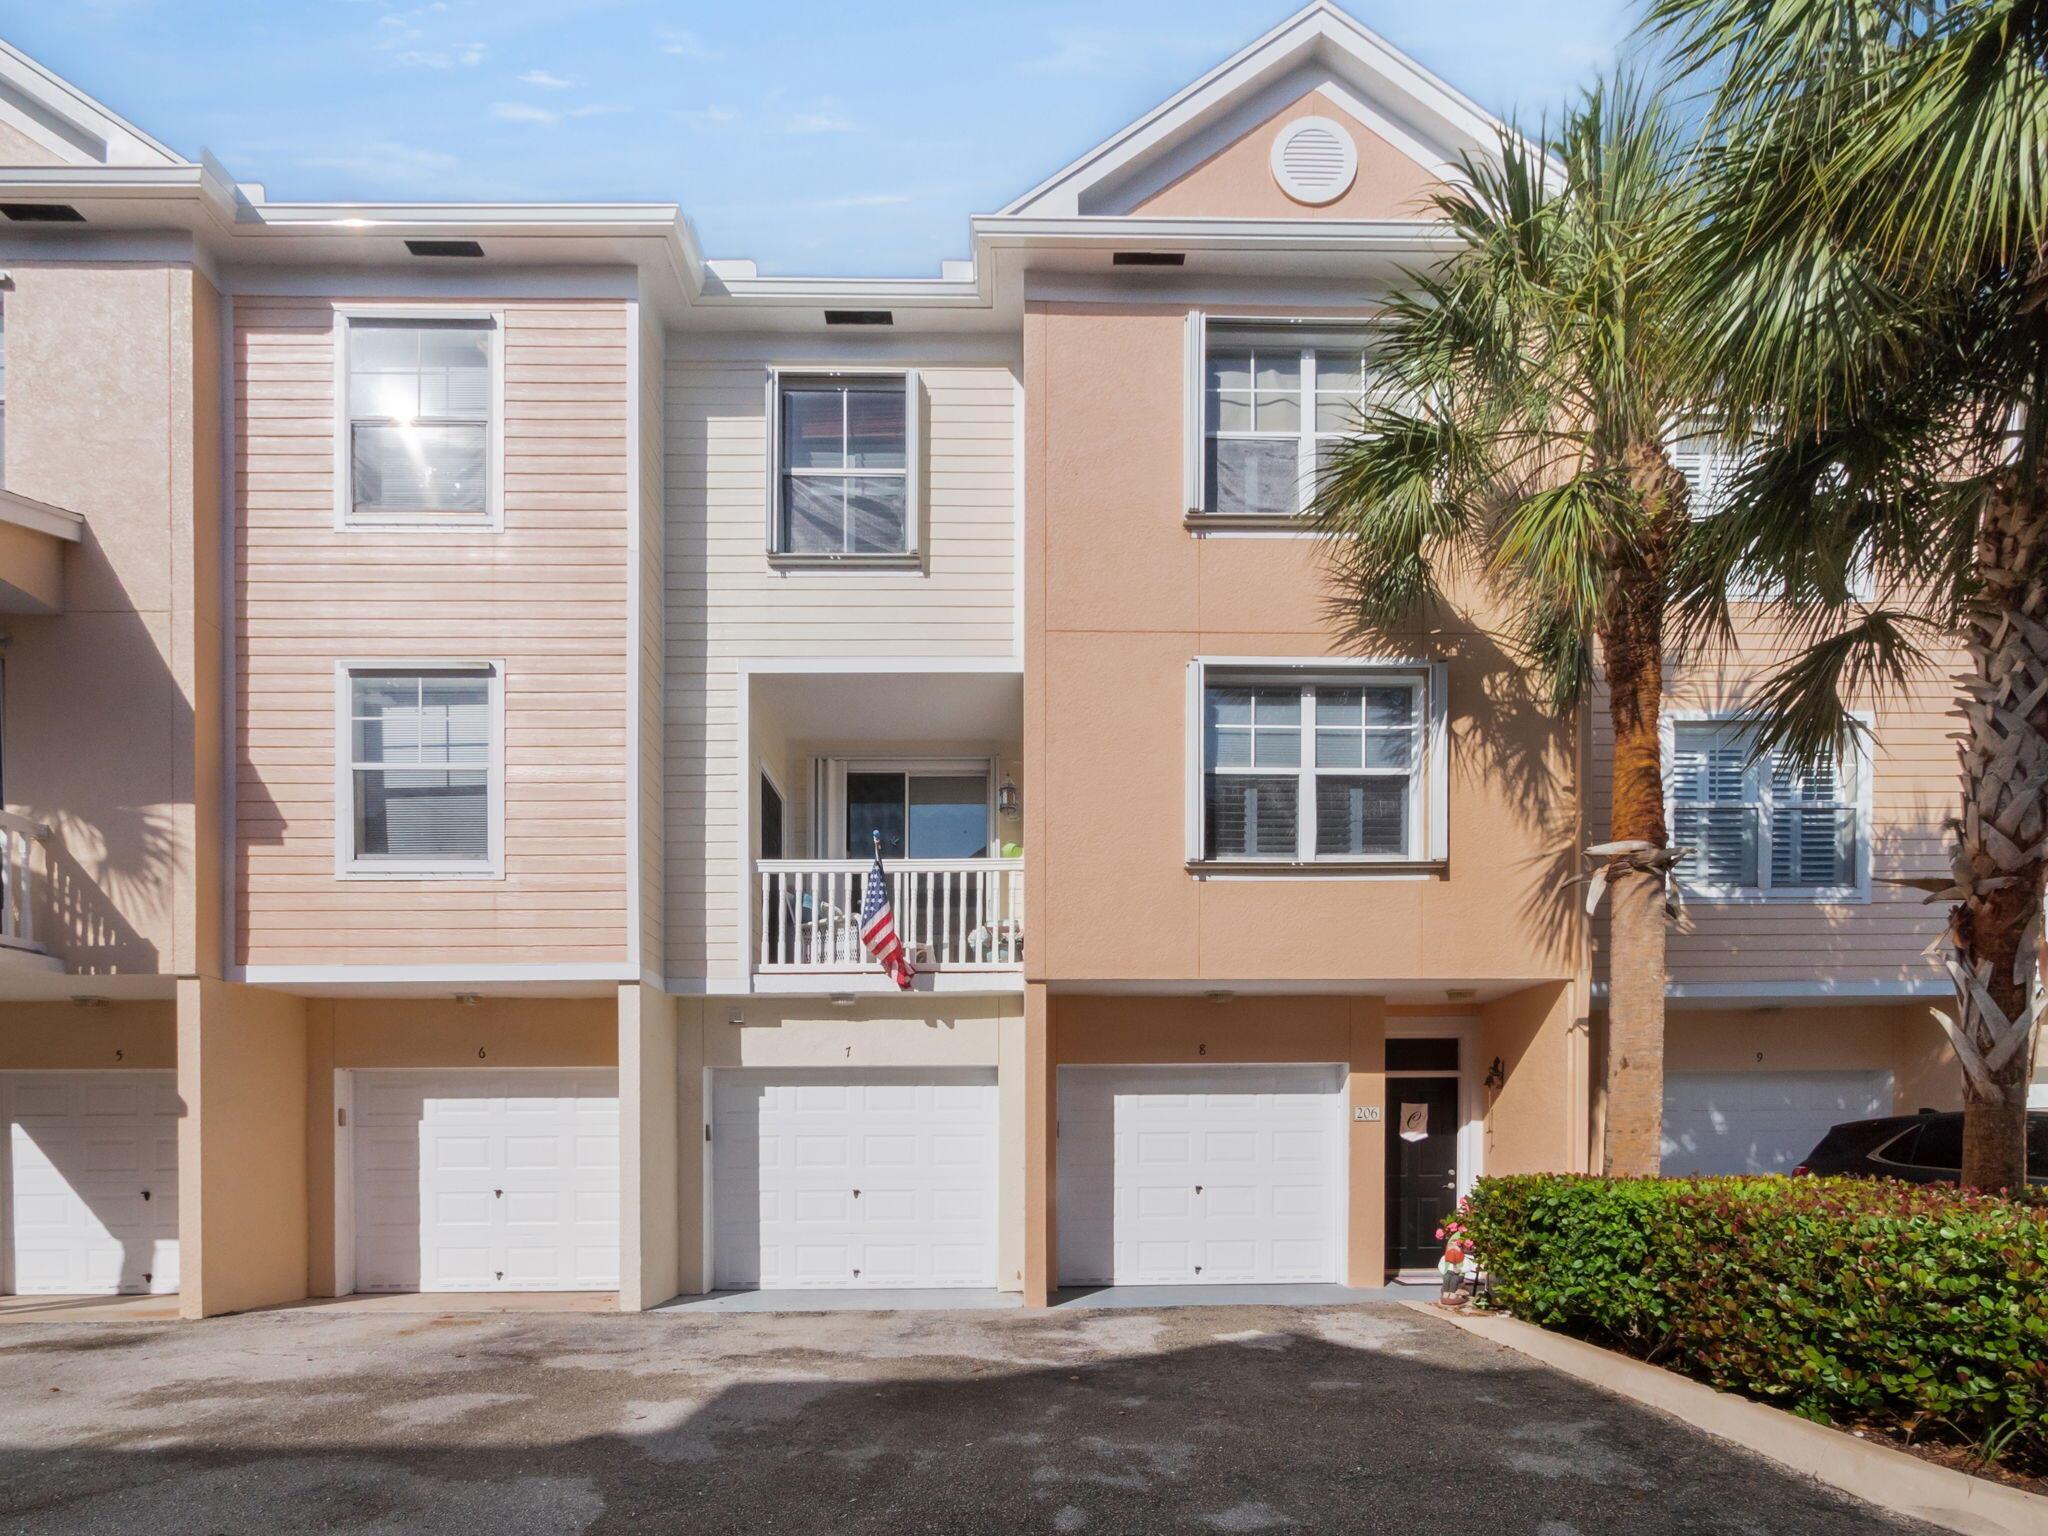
x=145 y=1194
x=856 y=1194
x=1198 y=1189
x=497 y=1194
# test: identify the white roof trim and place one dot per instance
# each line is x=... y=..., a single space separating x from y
x=1318 y=32
x=41 y=517
x=70 y=124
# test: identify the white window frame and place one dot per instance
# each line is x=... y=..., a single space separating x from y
x=1429 y=806
x=828 y=826
x=779 y=377
x=1857 y=762
x=1707 y=470
x=1316 y=333
x=346 y=518
x=347 y=866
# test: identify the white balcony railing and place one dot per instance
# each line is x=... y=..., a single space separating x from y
x=18 y=837
x=952 y=914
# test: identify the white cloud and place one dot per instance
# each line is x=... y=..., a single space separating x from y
x=825 y=117
x=713 y=115
x=545 y=81
x=687 y=45
x=600 y=109
x=523 y=112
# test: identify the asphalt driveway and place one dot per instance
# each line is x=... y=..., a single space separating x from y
x=1238 y=1419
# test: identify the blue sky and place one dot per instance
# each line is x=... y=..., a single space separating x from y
x=816 y=136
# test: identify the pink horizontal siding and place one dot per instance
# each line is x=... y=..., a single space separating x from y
x=547 y=596
x=1912 y=762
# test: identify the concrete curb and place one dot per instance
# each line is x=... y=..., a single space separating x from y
x=1876 y=1474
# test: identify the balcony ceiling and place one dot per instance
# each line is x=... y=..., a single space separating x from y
x=892 y=709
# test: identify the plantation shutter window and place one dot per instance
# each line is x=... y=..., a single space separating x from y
x=419 y=420
x=1273 y=400
x=1764 y=827
x=422 y=767
x=1325 y=770
x=845 y=459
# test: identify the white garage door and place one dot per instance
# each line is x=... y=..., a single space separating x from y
x=1200 y=1175
x=482 y=1181
x=1761 y=1122
x=92 y=1182
x=853 y=1179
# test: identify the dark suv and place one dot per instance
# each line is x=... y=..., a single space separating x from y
x=1926 y=1148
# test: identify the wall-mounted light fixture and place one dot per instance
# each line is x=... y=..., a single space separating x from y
x=1009 y=799
x=1496 y=1074
x=468 y=999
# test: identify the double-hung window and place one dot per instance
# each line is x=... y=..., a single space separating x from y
x=844 y=474
x=1274 y=399
x=419 y=428
x=422 y=782
x=1330 y=768
x=1765 y=829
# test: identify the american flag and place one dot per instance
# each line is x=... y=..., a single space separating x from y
x=878 y=927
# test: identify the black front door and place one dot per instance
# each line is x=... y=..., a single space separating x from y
x=1422 y=1174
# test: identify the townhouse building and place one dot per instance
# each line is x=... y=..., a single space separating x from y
x=462 y=663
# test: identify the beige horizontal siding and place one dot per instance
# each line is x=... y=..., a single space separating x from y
x=1914 y=785
x=547 y=596
x=725 y=603
x=652 y=830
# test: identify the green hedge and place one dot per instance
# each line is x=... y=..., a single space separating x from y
x=1867 y=1301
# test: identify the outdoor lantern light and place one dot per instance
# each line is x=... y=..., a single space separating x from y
x=1009 y=799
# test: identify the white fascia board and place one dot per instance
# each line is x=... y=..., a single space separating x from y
x=41 y=517
x=1292 y=42
x=1423 y=238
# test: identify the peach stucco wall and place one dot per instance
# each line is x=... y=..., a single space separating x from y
x=547 y=597
x=1536 y=1117
x=1237 y=181
x=63 y=1036
x=1120 y=597
x=113 y=705
x=242 y=1185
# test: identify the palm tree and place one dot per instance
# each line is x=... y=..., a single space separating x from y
x=1527 y=386
x=1873 y=283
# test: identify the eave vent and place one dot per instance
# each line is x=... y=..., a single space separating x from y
x=444 y=248
x=1148 y=258
x=1315 y=161
x=41 y=213
x=859 y=317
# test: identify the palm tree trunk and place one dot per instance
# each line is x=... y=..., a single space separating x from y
x=1633 y=645
x=2000 y=842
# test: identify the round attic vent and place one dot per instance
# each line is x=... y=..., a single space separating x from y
x=1314 y=160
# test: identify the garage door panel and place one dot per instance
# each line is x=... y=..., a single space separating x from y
x=474 y=1181
x=790 y=1150
x=1761 y=1122
x=93 y=1171
x=1198 y=1175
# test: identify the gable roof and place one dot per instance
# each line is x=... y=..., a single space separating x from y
x=1318 y=48
x=66 y=124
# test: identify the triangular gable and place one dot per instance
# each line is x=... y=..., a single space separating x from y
x=1208 y=142
x=46 y=121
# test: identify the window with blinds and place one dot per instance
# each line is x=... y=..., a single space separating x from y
x=1298 y=772
x=1274 y=402
x=1763 y=827
x=419 y=428
x=845 y=450
x=423 y=769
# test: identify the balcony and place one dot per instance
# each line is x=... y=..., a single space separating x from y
x=957 y=917
x=19 y=838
